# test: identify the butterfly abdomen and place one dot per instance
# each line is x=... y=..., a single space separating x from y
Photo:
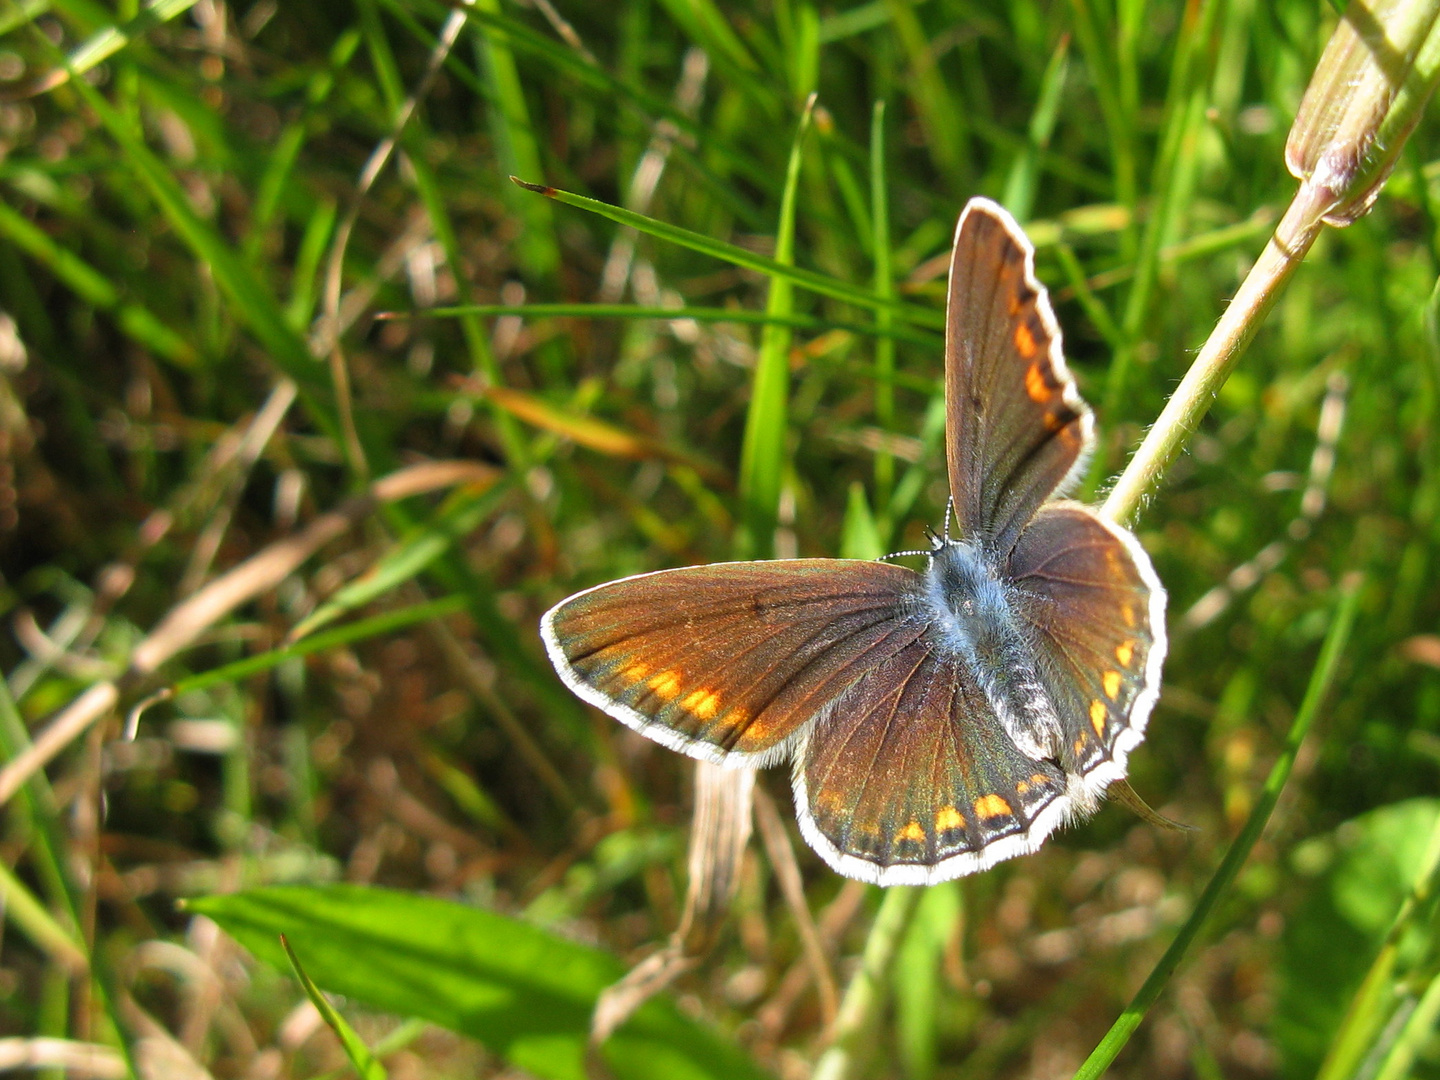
x=974 y=617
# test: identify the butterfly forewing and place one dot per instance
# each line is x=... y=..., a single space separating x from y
x=1017 y=431
x=1097 y=611
x=729 y=661
x=911 y=778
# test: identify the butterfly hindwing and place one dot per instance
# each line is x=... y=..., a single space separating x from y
x=911 y=778
x=1097 y=612
x=1016 y=429
x=727 y=662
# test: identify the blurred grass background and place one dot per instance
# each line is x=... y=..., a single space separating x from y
x=170 y=406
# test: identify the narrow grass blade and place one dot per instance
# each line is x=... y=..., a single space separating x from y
x=805 y=279
x=860 y=536
x=253 y=302
x=1375 y=999
x=1020 y=185
x=595 y=434
x=460 y=516
x=355 y=1049
x=29 y=916
x=852 y=1036
x=885 y=290
x=359 y=630
x=762 y=454
x=943 y=117
x=516 y=146
x=917 y=978
x=1321 y=677
x=94 y=288
x=1418 y=1029
x=879 y=328
x=104 y=44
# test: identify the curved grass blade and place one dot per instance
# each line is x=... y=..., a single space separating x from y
x=879 y=328
x=884 y=320
x=94 y=288
x=355 y=1048
x=359 y=630
x=105 y=43
x=1375 y=999
x=762 y=455
x=460 y=516
x=1321 y=677
x=731 y=253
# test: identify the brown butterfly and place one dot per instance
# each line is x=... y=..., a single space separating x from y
x=936 y=721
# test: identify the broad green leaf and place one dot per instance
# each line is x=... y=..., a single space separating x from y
x=523 y=992
x=1361 y=875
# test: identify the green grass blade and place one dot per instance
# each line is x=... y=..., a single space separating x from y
x=460 y=516
x=359 y=630
x=885 y=290
x=879 y=328
x=944 y=118
x=516 y=146
x=1020 y=185
x=253 y=302
x=92 y=286
x=29 y=916
x=1418 y=1030
x=355 y=1049
x=105 y=43
x=1321 y=676
x=805 y=279
x=1375 y=999
x=762 y=454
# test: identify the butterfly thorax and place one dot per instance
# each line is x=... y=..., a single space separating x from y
x=973 y=615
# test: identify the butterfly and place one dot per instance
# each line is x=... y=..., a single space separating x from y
x=937 y=721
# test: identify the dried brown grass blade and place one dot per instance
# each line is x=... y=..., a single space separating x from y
x=718 y=834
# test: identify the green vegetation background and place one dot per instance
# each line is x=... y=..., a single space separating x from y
x=166 y=218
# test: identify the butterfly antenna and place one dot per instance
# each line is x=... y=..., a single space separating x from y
x=949 y=513
x=902 y=554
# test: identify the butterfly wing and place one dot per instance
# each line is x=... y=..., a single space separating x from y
x=1016 y=429
x=911 y=779
x=1096 y=610
x=728 y=662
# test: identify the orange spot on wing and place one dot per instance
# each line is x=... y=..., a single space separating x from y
x=1025 y=343
x=989 y=806
x=1124 y=652
x=703 y=703
x=1127 y=612
x=1111 y=682
x=1097 y=717
x=948 y=818
x=665 y=684
x=1021 y=788
x=1035 y=384
x=913 y=831
x=1040 y=779
x=634 y=672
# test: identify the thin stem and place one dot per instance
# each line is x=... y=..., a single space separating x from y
x=866 y=992
x=1222 y=350
x=1321 y=677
